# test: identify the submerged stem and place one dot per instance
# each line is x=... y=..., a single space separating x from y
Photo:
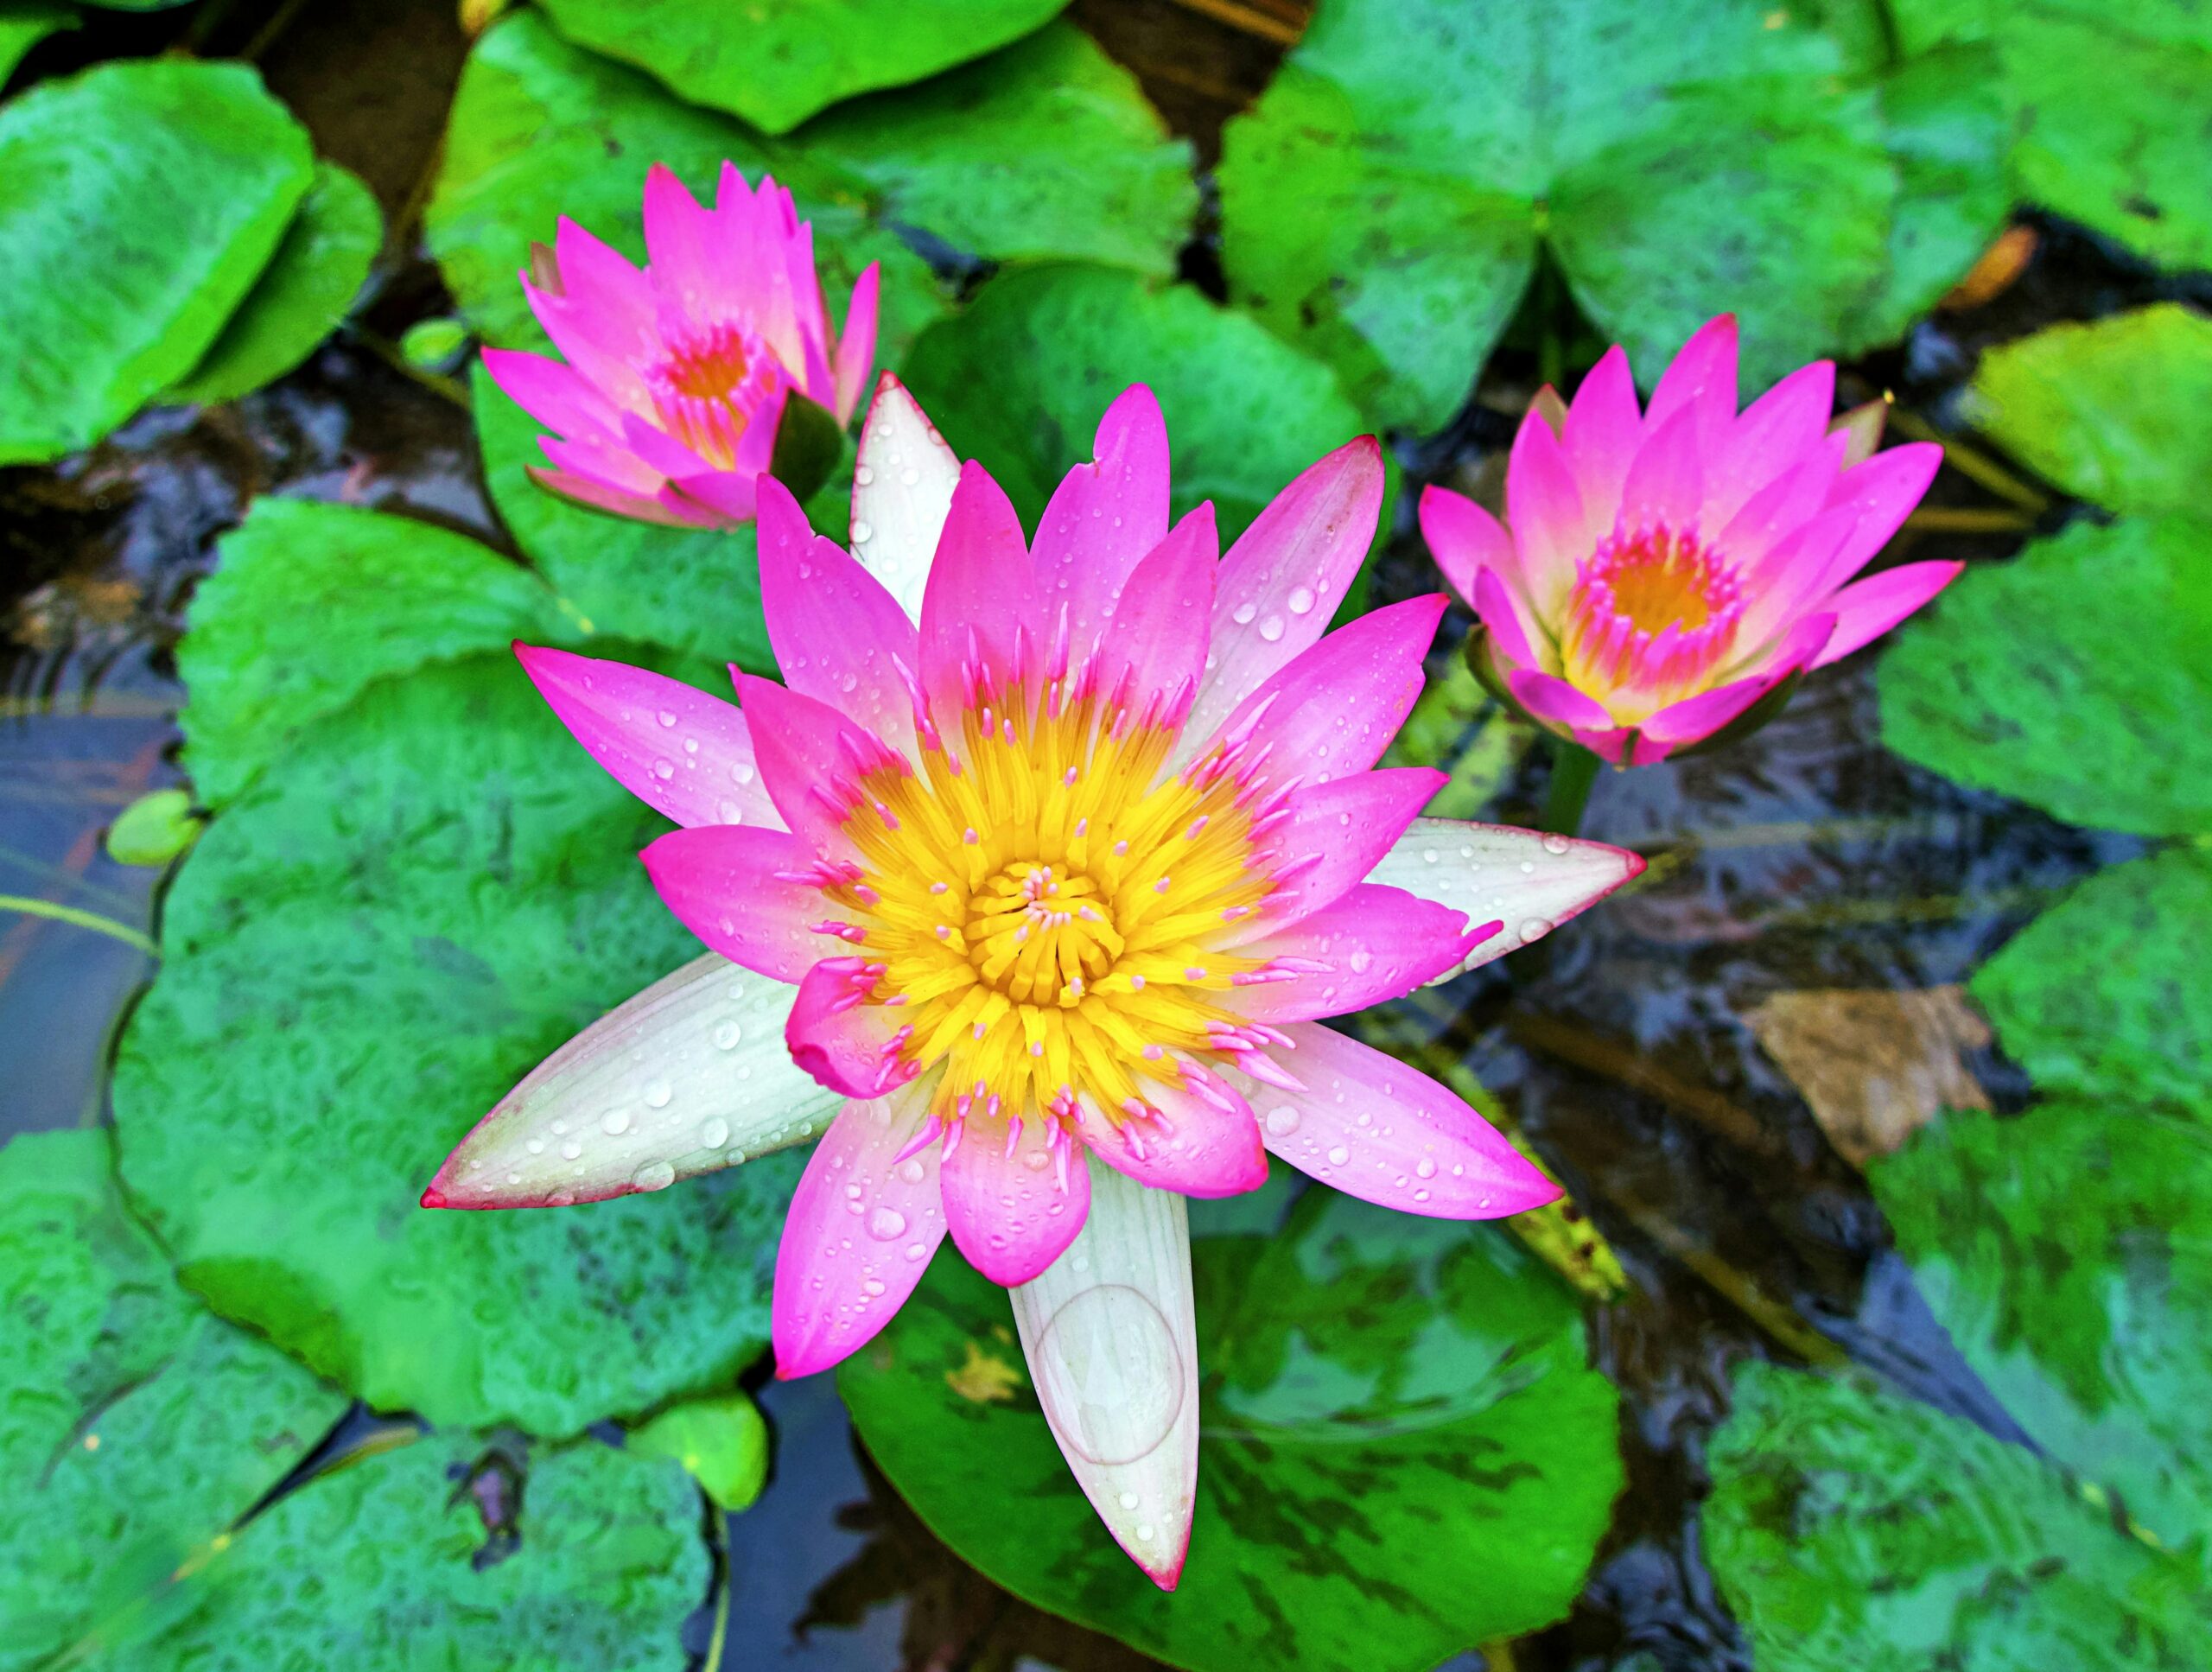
x=70 y=914
x=1574 y=769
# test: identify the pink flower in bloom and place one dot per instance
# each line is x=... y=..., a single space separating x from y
x=677 y=378
x=1027 y=893
x=1663 y=570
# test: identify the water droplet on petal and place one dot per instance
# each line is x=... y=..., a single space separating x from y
x=1556 y=843
x=715 y=1134
x=1129 y=1500
x=667 y=718
x=1283 y=1121
x=863 y=533
x=1108 y=1374
x=887 y=1223
x=614 y=1122
x=1243 y=613
x=1271 y=629
x=654 y=1175
x=1339 y=1155
x=1302 y=600
x=657 y=1093
x=864 y=475
x=726 y=1035
x=1535 y=929
x=1424 y=1168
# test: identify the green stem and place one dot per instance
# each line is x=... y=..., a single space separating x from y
x=1574 y=769
x=92 y=920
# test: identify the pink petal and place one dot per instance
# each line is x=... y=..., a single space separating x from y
x=1282 y=581
x=1152 y=652
x=1696 y=718
x=1802 y=570
x=1777 y=511
x=838 y=1034
x=1552 y=529
x=602 y=459
x=1602 y=431
x=848 y=1260
x=1333 y=712
x=1205 y=1146
x=591 y=491
x=856 y=344
x=1880 y=494
x=1782 y=429
x=1369 y=1126
x=1493 y=873
x=733 y=887
x=1702 y=380
x=1373 y=944
x=838 y=636
x=730 y=497
x=1464 y=540
x=1665 y=486
x=683 y=752
x=678 y=246
x=554 y=394
x=1333 y=836
x=980 y=612
x=602 y=284
x=1552 y=701
x=1104 y=517
x=1008 y=1213
x=1866 y=609
x=814 y=760
x=1512 y=636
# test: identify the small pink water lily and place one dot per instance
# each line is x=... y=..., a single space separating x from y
x=1662 y=571
x=1027 y=893
x=676 y=377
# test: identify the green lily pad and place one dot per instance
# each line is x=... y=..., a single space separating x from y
x=1849 y=1528
x=2070 y=1254
x=541 y=128
x=318 y=270
x=311 y=604
x=2078 y=677
x=696 y=589
x=2119 y=411
x=1384 y=203
x=1021 y=378
x=376 y=939
x=24 y=24
x=2104 y=997
x=1406 y=1451
x=722 y=1442
x=2132 y=168
x=139 y=203
x=788 y=58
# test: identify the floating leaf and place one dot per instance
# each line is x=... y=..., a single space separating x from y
x=139 y=202
x=2078 y=677
x=2070 y=1254
x=24 y=24
x=1849 y=1528
x=153 y=830
x=2104 y=995
x=2119 y=411
x=1405 y=1450
x=2132 y=168
x=311 y=604
x=791 y=58
x=306 y=290
x=720 y=1442
x=1019 y=379
x=1875 y=1065
x=1385 y=202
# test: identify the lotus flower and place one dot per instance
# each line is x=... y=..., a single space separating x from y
x=1029 y=893
x=677 y=378
x=1663 y=571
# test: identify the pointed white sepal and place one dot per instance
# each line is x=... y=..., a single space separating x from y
x=691 y=1075
x=1528 y=881
x=902 y=492
x=1110 y=1332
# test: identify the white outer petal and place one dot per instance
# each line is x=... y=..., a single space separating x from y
x=1530 y=881
x=902 y=490
x=1111 y=1335
x=689 y=1076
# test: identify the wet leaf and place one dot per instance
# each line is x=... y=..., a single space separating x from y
x=1851 y=1528
x=1019 y=379
x=1405 y=1450
x=1875 y=1065
x=24 y=24
x=2070 y=1254
x=721 y=1442
x=792 y=57
x=1385 y=202
x=306 y=290
x=311 y=604
x=2131 y=168
x=376 y=939
x=2119 y=411
x=139 y=203
x=153 y=830
x=697 y=589
x=2078 y=677
x=2104 y=995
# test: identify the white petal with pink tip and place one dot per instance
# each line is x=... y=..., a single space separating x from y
x=902 y=490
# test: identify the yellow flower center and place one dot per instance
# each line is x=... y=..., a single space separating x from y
x=1041 y=907
x=707 y=385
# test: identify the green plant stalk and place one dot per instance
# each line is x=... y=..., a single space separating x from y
x=1574 y=769
x=92 y=920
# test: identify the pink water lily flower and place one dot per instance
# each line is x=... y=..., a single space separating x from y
x=1660 y=571
x=1028 y=894
x=677 y=378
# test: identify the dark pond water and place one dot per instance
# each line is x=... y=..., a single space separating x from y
x=1809 y=858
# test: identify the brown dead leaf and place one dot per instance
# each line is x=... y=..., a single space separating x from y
x=1874 y=1066
x=1993 y=274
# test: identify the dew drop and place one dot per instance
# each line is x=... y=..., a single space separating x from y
x=1535 y=929
x=1109 y=1374
x=1556 y=843
x=1283 y=1121
x=909 y=477
x=912 y=1171
x=667 y=718
x=864 y=475
x=887 y=1223
x=1129 y=1500
x=654 y=1175
x=1302 y=600
x=863 y=533
x=614 y=1122
x=917 y=1250
x=1424 y=1168
x=657 y=1093
x=664 y=769
x=1271 y=629
x=715 y=1134
x=1243 y=613
x=573 y=1150
x=726 y=1035
x=1339 y=1155
x=1360 y=960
